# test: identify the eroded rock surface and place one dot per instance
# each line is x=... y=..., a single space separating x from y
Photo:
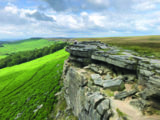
x=97 y=77
x=87 y=105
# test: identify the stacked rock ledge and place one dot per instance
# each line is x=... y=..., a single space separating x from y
x=93 y=69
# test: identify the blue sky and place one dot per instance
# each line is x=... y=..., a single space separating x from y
x=78 y=18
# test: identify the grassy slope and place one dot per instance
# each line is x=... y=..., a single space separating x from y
x=148 y=45
x=24 y=87
x=23 y=46
x=3 y=56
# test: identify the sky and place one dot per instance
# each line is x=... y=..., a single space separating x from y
x=78 y=18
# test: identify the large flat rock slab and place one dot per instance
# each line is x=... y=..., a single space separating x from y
x=146 y=70
x=123 y=61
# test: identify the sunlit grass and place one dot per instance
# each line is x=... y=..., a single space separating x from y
x=27 y=86
x=145 y=45
x=3 y=56
x=23 y=46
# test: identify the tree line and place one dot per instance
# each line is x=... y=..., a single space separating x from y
x=25 y=56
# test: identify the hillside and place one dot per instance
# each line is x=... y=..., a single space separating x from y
x=145 y=45
x=27 y=91
x=23 y=45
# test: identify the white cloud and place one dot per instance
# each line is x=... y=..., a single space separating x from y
x=147 y=5
x=100 y=2
x=84 y=14
x=11 y=8
x=112 y=21
x=39 y=16
x=98 y=20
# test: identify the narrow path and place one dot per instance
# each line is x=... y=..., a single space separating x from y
x=132 y=112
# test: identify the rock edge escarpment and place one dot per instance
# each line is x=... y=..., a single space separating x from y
x=97 y=77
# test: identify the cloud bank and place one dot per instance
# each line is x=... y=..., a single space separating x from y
x=79 y=18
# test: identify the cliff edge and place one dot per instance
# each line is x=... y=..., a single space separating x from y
x=102 y=82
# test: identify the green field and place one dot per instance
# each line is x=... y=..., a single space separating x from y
x=3 y=56
x=145 y=45
x=27 y=91
x=23 y=45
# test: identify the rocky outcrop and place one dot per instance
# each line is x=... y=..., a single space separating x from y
x=86 y=104
x=116 y=83
x=124 y=94
x=96 y=76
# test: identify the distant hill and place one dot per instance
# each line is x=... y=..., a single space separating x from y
x=22 y=45
x=59 y=38
x=36 y=38
x=2 y=42
x=24 y=40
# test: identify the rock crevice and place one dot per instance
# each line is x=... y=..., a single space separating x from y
x=96 y=73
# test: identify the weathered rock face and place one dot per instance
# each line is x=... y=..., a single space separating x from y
x=149 y=76
x=96 y=75
x=86 y=104
x=125 y=94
